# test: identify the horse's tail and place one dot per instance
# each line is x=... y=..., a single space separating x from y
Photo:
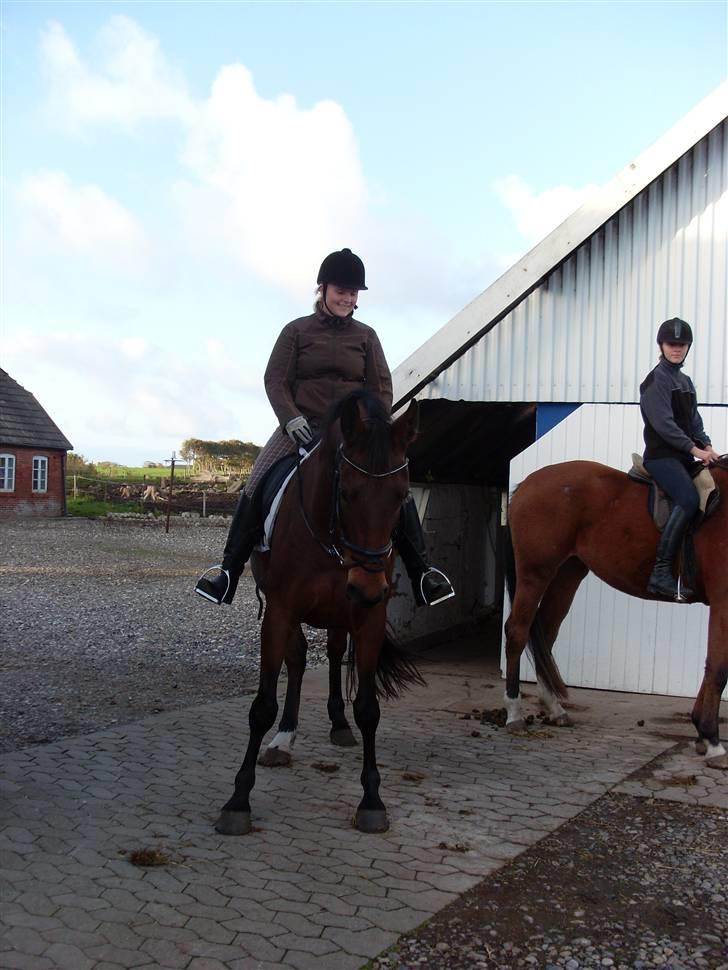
x=546 y=669
x=396 y=670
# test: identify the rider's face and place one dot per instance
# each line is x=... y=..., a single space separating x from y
x=675 y=353
x=340 y=301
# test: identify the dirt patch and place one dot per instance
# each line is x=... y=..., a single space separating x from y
x=630 y=883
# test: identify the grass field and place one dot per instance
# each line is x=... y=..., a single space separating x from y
x=91 y=508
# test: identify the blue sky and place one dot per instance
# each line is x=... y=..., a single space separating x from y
x=173 y=174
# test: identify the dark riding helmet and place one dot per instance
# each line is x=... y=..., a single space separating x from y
x=675 y=331
x=343 y=269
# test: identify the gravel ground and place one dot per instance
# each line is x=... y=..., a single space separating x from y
x=100 y=627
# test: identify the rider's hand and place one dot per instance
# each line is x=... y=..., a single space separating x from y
x=706 y=455
x=299 y=431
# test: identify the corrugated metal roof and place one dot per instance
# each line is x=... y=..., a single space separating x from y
x=23 y=422
x=575 y=319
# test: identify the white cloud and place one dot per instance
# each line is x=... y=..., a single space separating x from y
x=538 y=213
x=134 y=83
x=283 y=182
x=108 y=393
x=57 y=214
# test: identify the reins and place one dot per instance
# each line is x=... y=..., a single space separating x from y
x=371 y=560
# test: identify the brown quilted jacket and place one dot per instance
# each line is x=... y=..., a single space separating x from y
x=317 y=360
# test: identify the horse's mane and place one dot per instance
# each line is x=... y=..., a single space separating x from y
x=377 y=420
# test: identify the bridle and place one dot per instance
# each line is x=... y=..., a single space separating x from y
x=371 y=560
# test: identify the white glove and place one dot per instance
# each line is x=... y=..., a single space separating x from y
x=299 y=431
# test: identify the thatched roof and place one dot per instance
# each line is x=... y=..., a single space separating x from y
x=23 y=422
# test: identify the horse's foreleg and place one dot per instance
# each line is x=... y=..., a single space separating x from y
x=341 y=733
x=371 y=815
x=234 y=818
x=279 y=751
x=706 y=712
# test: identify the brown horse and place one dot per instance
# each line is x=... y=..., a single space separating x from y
x=330 y=566
x=579 y=516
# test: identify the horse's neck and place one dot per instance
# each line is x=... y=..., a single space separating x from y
x=318 y=484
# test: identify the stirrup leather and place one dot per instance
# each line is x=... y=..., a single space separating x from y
x=440 y=599
x=201 y=592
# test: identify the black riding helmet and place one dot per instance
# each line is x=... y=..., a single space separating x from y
x=675 y=331
x=343 y=269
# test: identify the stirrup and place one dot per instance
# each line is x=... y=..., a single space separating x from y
x=440 y=599
x=202 y=592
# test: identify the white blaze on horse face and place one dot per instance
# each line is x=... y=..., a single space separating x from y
x=284 y=741
x=513 y=708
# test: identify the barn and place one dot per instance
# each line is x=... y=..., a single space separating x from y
x=32 y=455
x=545 y=366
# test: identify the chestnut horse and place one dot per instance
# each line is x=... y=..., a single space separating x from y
x=579 y=516
x=330 y=566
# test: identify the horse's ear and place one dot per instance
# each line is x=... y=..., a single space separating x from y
x=407 y=425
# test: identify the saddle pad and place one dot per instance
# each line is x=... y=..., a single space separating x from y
x=704 y=482
x=272 y=513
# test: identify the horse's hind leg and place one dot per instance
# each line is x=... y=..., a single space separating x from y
x=555 y=604
x=234 y=818
x=279 y=751
x=706 y=712
x=341 y=733
x=517 y=630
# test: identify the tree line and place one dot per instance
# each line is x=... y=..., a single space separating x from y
x=220 y=456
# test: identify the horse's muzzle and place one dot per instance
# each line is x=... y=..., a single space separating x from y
x=366 y=589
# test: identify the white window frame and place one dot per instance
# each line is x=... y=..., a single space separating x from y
x=40 y=474
x=8 y=478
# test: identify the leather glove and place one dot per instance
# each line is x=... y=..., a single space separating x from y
x=299 y=431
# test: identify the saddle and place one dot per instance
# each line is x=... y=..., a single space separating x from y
x=659 y=502
x=268 y=494
x=659 y=505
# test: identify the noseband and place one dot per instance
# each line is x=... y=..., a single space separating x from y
x=371 y=560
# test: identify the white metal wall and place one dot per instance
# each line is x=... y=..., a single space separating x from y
x=586 y=333
x=610 y=640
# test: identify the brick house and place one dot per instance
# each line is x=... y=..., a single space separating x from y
x=32 y=455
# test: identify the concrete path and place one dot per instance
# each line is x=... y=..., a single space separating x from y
x=305 y=889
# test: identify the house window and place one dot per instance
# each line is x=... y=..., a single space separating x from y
x=40 y=474
x=7 y=473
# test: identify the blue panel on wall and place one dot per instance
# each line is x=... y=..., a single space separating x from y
x=549 y=415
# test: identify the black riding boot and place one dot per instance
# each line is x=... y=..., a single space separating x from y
x=430 y=585
x=242 y=537
x=662 y=582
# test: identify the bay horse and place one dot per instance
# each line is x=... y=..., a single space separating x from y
x=568 y=519
x=330 y=566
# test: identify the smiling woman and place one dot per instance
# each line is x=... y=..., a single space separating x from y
x=316 y=362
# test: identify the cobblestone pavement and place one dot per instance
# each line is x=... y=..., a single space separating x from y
x=305 y=889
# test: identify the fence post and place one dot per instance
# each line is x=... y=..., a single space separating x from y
x=75 y=487
x=204 y=504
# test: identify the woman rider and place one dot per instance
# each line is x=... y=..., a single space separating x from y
x=316 y=361
x=674 y=438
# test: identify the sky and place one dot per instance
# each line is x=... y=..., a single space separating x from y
x=173 y=173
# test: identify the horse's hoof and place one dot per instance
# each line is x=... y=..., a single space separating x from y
x=371 y=820
x=701 y=746
x=517 y=727
x=720 y=762
x=343 y=738
x=275 y=758
x=563 y=720
x=233 y=823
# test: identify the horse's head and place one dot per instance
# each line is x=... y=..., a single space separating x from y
x=373 y=483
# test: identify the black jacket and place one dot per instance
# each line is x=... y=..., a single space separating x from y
x=669 y=406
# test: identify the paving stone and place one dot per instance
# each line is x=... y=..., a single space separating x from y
x=259 y=948
x=364 y=943
x=116 y=954
x=26 y=940
x=64 y=956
